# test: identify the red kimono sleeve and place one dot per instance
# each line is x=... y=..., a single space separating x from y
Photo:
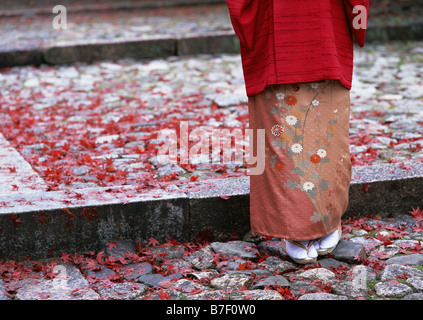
x=244 y=17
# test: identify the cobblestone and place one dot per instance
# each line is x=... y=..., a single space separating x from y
x=158 y=274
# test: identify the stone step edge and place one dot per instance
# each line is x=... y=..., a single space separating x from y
x=140 y=49
x=112 y=5
x=48 y=223
x=162 y=47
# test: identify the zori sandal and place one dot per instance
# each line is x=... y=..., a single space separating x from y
x=328 y=243
x=302 y=252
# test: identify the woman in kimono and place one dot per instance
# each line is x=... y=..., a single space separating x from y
x=297 y=59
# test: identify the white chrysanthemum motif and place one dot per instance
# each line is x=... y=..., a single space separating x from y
x=321 y=153
x=308 y=186
x=277 y=129
x=335 y=111
x=315 y=103
x=291 y=120
x=296 y=148
x=280 y=96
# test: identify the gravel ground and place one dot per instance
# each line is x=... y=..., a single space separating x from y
x=375 y=260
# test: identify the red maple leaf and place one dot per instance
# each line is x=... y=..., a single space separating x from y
x=381 y=254
x=111 y=260
x=92 y=265
x=417 y=248
x=403 y=276
x=66 y=211
x=417 y=214
x=100 y=257
x=243 y=266
x=384 y=239
x=357 y=257
x=194 y=178
x=66 y=258
x=365 y=187
x=122 y=260
x=285 y=292
x=78 y=195
x=417 y=228
x=346 y=228
x=111 y=244
x=153 y=242
x=405 y=167
x=163 y=295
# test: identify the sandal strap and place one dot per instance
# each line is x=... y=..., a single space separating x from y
x=301 y=245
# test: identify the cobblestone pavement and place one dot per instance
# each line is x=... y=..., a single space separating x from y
x=376 y=259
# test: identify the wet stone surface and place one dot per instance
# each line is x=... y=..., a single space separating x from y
x=232 y=270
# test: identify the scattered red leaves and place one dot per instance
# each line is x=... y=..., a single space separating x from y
x=411 y=249
x=356 y=223
x=285 y=292
x=384 y=239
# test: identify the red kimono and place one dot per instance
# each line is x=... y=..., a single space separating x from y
x=293 y=41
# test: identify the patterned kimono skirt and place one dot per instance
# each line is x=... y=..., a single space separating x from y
x=303 y=191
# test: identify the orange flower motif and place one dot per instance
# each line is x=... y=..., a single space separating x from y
x=331 y=129
x=315 y=158
x=290 y=100
x=279 y=166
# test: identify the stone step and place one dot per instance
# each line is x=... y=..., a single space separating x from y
x=50 y=46
x=45 y=7
x=42 y=223
x=17 y=175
